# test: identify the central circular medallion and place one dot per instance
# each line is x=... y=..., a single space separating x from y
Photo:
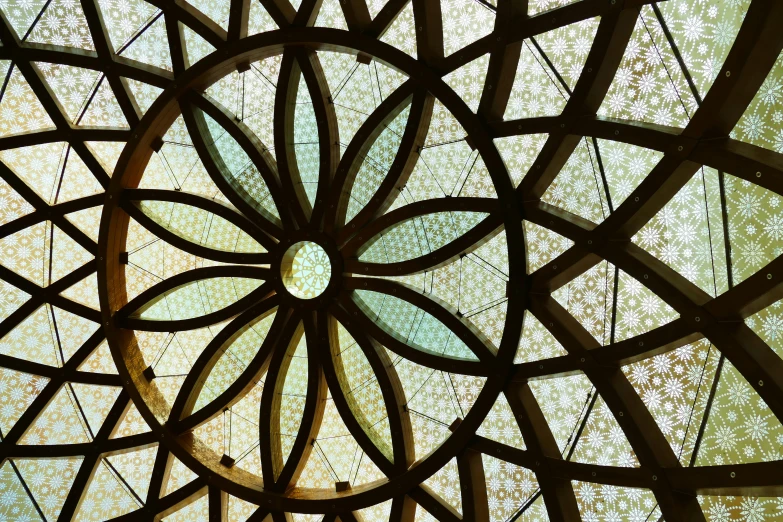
x=306 y=270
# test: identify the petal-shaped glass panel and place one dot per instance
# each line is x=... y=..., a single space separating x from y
x=200 y=226
x=412 y=325
x=293 y=397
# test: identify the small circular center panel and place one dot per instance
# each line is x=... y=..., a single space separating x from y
x=306 y=270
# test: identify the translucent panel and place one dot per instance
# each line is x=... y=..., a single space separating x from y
x=375 y=165
x=106 y=152
x=12 y=205
x=240 y=169
x=703 y=33
x=578 y=187
x=19 y=390
x=71 y=85
x=755 y=228
x=103 y=110
x=402 y=32
x=214 y=9
x=293 y=394
x=259 y=21
x=540 y=6
x=589 y=299
x=99 y=361
x=420 y=236
x=564 y=402
x=234 y=360
x=179 y=476
x=22 y=13
x=174 y=354
x=131 y=424
x=687 y=234
x=200 y=226
x=124 y=19
x=509 y=487
x=143 y=93
x=76 y=181
x=33 y=339
x=675 y=387
x=88 y=221
x=740 y=427
x=243 y=434
x=733 y=509
x=602 y=440
x=464 y=22
x=59 y=423
x=67 y=255
x=62 y=23
x=331 y=15
x=306 y=142
x=412 y=325
x=21 y=110
x=16 y=504
x=567 y=47
x=500 y=425
x=38 y=166
x=49 y=481
x=519 y=153
x=537 y=342
x=11 y=298
x=445 y=484
x=72 y=331
x=150 y=46
x=106 y=497
x=761 y=122
x=135 y=468
x=257 y=110
x=542 y=245
x=639 y=310
x=362 y=391
x=536 y=91
x=379 y=512
x=625 y=167
x=94 y=403
x=84 y=292
x=650 y=85
x=604 y=502
x=237 y=510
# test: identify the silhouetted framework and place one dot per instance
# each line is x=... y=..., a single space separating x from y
x=705 y=141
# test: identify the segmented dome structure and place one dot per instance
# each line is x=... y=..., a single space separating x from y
x=401 y=260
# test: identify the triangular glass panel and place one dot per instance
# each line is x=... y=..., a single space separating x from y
x=675 y=387
x=180 y=475
x=106 y=496
x=589 y=299
x=197 y=510
x=131 y=424
x=33 y=340
x=14 y=205
x=144 y=95
x=67 y=255
x=27 y=252
x=536 y=91
x=380 y=512
x=217 y=11
x=501 y=426
x=84 y=292
x=375 y=6
x=196 y=47
x=402 y=32
x=72 y=331
x=123 y=24
x=26 y=388
x=238 y=510
x=567 y=48
x=443 y=482
x=151 y=46
x=135 y=468
x=22 y=111
x=625 y=167
x=756 y=126
x=539 y=6
x=11 y=298
x=564 y=402
x=519 y=153
x=103 y=110
x=77 y=181
x=49 y=481
x=178 y=353
x=716 y=507
x=99 y=361
x=95 y=403
x=334 y=457
x=331 y=15
x=602 y=440
x=639 y=310
x=87 y=220
x=63 y=24
x=39 y=166
x=59 y=423
x=700 y=255
x=468 y=80
x=16 y=504
x=543 y=245
x=516 y=487
x=464 y=22
x=21 y=15
x=536 y=342
x=107 y=152
x=599 y=501
x=650 y=70
x=740 y=428
x=259 y=20
x=71 y=85
x=248 y=408
x=578 y=187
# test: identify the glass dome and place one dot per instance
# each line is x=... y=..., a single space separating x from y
x=391 y=260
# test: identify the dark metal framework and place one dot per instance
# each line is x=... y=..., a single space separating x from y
x=705 y=141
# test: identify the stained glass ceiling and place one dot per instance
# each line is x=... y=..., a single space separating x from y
x=391 y=260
